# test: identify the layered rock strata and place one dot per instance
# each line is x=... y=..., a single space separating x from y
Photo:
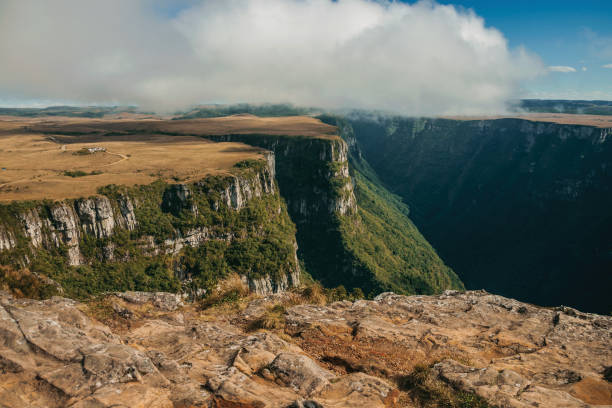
x=158 y=352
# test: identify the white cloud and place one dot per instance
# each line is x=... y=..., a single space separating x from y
x=607 y=66
x=422 y=58
x=584 y=69
x=561 y=68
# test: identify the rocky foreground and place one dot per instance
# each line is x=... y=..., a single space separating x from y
x=155 y=352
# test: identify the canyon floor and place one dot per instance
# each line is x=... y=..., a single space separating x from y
x=458 y=349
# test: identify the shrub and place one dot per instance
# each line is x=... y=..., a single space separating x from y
x=82 y=152
x=430 y=391
x=272 y=319
x=80 y=173
x=23 y=283
x=229 y=291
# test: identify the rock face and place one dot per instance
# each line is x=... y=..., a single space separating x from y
x=62 y=224
x=54 y=355
x=313 y=178
x=161 y=353
x=97 y=217
x=510 y=353
x=266 y=286
x=84 y=231
x=7 y=241
x=241 y=191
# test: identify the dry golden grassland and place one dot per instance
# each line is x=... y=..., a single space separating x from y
x=39 y=157
x=33 y=166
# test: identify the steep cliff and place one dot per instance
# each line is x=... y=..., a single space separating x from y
x=386 y=240
x=359 y=241
x=520 y=208
x=313 y=179
x=159 y=236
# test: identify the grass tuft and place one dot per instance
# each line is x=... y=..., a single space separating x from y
x=229 y=291
x=272 y=319
x=429 y=391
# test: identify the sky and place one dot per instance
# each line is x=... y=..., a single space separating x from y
x=564 y=33
x=425 y=57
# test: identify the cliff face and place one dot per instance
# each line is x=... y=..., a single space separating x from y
x=61 y=225
x=313 y=178
x=357 y=240
x=312 y=172
x=370 y=244
x=164 y=223
x=520 y=208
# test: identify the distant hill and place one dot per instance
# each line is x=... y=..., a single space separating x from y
x=565 y=106
x=211 y=111
x=72 y=111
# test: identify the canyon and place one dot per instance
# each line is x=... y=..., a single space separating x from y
x=274 y=262
x=515 y=206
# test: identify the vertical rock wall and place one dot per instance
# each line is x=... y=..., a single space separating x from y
x=62 y=225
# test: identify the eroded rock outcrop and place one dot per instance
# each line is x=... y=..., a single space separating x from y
x=161 y=353
x=7 y=241
x=54 y=355
x=62 y=224
x=510 y=353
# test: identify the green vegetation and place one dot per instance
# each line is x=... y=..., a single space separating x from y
x=23 y=283
x=429 y=391
x=388 y=244
x=80 y=173
x=81 y=282
x=72 y=111
x=384 y=243
x=257 y=110
x=256 y=241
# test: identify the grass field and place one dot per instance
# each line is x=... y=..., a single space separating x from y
x=41 y=158
x=35 y=166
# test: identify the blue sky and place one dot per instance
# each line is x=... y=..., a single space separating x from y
x=563 y=33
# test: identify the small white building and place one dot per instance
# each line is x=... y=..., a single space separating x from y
x=96 y=149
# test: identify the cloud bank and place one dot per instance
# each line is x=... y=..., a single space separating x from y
x=423 y=58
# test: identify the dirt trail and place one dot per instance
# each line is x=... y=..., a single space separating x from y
x=123 y=158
